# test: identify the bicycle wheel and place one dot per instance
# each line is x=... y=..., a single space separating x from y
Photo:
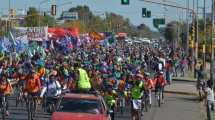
x=33 y=107
x=122 y=105
x=18 y=99
x=146 y=105
x=159 y=99
x=139 y=115
x=3 y=108
x=29 y=107
x=44 y=101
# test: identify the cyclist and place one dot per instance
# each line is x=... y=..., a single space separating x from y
x=149 y=85
x=160 y=83
x=122 y=93
x=5 y=89
x=137 y=95
x=52 y=89
x=110 y=98
x=33 y=86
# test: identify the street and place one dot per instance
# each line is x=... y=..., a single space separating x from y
x=176 y=107
x=112 y=46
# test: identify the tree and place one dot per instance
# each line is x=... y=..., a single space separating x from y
x=112 y=23
x=47 y=21
x=32 y=19
x=171 y=32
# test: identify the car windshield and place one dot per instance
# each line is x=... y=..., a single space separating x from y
x=80 y=106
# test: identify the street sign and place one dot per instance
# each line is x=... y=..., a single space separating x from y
x=66 y=15
x=125 y=2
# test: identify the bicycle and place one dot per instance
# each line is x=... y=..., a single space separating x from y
x=159 y=96
x=31 y=106
x=50 y=104
x=136 y=109
x=122 y=104
x=20 y=96
x=3 y=106
x=147 y=104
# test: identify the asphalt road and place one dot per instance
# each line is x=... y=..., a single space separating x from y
x=20 y=112
x=176 y=107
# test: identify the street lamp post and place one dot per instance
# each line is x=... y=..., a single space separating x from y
x=212 y=43
x=42 y=2
x=205 y=37
x=187 y=18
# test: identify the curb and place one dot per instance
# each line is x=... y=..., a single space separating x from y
x=183 y=80
x=181 y=93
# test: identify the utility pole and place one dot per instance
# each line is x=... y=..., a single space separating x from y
x=187 y=17
x=196 y=30
x=212 y=43
x=9 y=7
x=205 y=36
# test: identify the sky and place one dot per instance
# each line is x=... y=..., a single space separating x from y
x=98 y=7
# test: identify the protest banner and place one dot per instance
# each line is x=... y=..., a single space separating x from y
x=26 y=34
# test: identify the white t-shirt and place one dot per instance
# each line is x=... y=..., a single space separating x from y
x=210 y=94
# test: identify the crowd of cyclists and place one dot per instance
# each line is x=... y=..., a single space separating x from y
x=122 y=73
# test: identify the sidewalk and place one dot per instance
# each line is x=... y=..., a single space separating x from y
x=189 y=76
x=182 y=87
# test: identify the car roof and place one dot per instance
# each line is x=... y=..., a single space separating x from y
x=81 y=96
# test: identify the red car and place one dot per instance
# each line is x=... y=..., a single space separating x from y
x=81 y=107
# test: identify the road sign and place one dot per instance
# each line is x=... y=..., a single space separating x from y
x=66 y=15
x=125 y=2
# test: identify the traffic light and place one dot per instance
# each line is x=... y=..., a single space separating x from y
x=193 y=30
x=125 y=2
x=191 y=43
x=155 y=23
x=148 y=13
x=144 y=12
x=54 y=10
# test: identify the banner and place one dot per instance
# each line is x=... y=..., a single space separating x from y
x=30 y=33
x=96 y=36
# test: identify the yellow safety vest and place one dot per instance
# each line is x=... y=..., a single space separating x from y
x=84 y=80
